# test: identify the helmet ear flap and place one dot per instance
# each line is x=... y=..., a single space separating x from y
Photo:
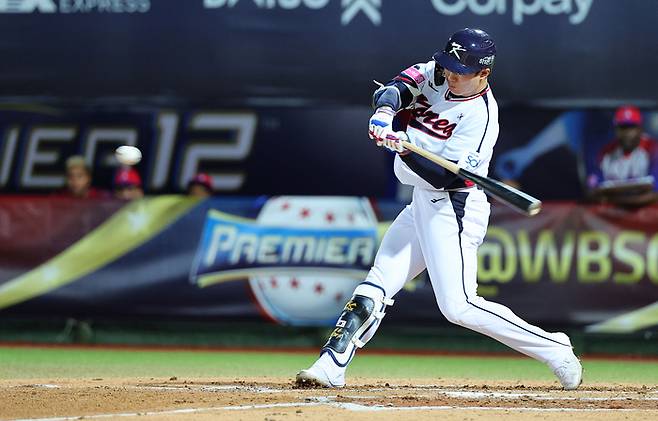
x=439 y=77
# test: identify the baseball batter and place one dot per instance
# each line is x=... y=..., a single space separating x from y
x=448 y=108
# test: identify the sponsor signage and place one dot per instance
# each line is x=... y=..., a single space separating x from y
x=74 y=6
x=232 y=248
x=291 y=263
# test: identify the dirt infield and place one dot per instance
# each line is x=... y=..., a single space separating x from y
x=277 y=399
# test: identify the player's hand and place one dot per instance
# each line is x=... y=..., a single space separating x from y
x=392 y=143
x=381 y=124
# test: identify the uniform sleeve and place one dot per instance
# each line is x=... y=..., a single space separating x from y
x=403 y=89
x=653 y=164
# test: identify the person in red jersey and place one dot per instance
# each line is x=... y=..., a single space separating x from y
x=627 y=166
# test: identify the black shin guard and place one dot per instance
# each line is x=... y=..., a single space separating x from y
x=357 y=323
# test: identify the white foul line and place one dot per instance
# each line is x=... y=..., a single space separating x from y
x=357 y=407
x=346 y=406
x=176 y=411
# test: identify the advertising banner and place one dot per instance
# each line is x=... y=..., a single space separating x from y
x=274 y=150
x=251 y=152
x=310 y=52
x=296 y=260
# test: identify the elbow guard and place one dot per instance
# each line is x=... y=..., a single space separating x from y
x=387 y=96
x=395 y=95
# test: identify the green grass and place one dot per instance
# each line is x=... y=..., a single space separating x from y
x=49 y=363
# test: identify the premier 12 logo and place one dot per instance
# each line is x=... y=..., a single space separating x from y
x=33 y=146
x=232 y=248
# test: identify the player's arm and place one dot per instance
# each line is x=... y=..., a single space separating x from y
x=403 y=89
x=653 y=163
x=399 y=93
x=434 y=174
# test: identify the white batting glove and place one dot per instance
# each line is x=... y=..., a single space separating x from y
x=381 y=124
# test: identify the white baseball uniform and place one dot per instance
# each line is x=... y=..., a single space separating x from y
x=443 y=227
x=440 y=230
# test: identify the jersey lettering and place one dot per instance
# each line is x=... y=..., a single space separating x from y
x=429 y=122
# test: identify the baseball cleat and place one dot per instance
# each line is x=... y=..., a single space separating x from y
x=569 y=372
x=317 y=376
x=307 y=379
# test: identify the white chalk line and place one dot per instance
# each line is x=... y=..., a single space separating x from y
x=450 y=393
x=176 y=411
x=357 y=407
x=345 y=406
x=541 y=396
x=213 y=388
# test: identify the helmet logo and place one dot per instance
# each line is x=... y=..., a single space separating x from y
x=487 y=61
x=455 y=48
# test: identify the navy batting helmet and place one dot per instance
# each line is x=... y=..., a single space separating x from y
x=467 y=51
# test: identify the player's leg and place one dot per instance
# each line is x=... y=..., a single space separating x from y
x=451 y=233
x=398 y=259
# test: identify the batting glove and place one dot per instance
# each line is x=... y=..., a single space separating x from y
x=381 y=124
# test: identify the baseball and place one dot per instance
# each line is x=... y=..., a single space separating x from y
x=128 y=155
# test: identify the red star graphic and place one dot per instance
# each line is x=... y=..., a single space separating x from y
x=285 y=206
x=294 y=283
x=319 y=288
x=273 y=282
x=305 y=213
x=329 y=217
x=339 y=297
x=350 y=217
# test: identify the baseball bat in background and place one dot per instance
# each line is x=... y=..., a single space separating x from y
x=514 y=198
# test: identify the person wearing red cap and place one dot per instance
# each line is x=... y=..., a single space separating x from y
x=628 y=164
x=200 y=186
x=128 y=184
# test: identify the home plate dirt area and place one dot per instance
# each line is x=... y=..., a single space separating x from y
x=278 y=399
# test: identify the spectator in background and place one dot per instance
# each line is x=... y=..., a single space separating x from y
x=78 y=180
x=628 y=165
x=128 y=184
x=200 y=186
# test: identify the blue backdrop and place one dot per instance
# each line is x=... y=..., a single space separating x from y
x=305 y=52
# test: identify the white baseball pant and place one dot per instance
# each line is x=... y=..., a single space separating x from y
x=441 y=231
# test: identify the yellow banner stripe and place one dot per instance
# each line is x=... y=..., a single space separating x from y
x=629 y=322
x=129 y=228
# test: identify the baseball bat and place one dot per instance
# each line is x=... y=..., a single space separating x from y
x=514 y=198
